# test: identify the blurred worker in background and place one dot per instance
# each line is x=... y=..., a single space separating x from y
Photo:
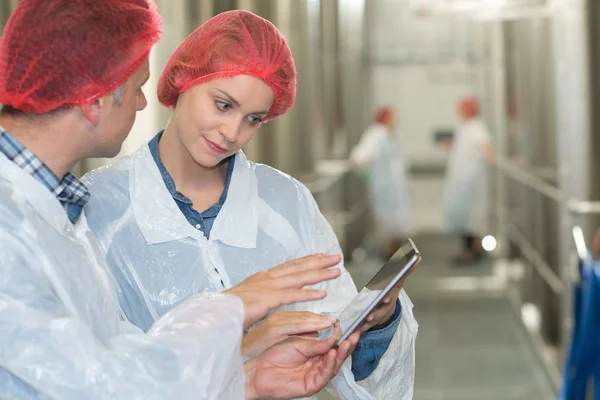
x=466 y=188
x=71 y=76
x=380 y=152
x=188 y=212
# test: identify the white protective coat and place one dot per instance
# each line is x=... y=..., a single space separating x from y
x=466 y=188
x=62 y=335
x=382 y=152
x=267 y=219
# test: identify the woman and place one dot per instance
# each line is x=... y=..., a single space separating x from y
x=466 y=187
x=380 y=151
x=188 y=213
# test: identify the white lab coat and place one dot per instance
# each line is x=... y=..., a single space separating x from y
x=466 y=187
x=268 y=218
x=387 y=180
x=61 y=331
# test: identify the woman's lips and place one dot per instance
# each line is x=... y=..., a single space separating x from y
x=215 y=147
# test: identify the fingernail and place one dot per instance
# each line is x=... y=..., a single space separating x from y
x=333 y=319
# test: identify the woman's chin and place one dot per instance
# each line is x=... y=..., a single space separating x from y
x=209 y=161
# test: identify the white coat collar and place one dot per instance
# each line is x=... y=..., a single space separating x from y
x=35 y=193
x=160 y=220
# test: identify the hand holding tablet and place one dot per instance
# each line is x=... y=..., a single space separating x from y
x=371 y=308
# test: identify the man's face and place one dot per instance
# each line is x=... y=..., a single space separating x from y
x=117 y=117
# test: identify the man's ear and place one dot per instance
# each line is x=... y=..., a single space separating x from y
x=92 y=112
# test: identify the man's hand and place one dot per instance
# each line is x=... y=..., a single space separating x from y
x=296 y=367
x=281 y=285
x=385 y=310
x=280 y=326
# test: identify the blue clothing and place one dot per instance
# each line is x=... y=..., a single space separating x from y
x=202 y=221
x=583 y=359
x=372 y=345
x=72 y=194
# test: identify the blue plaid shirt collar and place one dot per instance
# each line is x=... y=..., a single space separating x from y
x=72 y=194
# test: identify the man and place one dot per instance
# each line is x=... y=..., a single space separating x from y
x=71 y=73
x=466 y=186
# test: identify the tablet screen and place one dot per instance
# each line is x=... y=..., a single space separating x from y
x=394 y=265
x=401 y=262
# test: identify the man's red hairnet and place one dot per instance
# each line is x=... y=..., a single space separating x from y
x=72 y=52
x=383 y=115
x=469 y=107
x=232 y=43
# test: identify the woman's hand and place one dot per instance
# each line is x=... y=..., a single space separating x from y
x=385 y=310
x=285 y=284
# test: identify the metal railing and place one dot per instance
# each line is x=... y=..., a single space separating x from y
x=562 y=279
x=343 y=201
x=533 y=181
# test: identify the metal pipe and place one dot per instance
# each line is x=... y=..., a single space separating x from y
x=530 y=180
x=536 y=259
x=580 y=207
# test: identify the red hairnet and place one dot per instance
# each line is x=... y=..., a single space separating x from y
x=469 y=107
x=383 y=115
x=72 y=52
x=232 y=43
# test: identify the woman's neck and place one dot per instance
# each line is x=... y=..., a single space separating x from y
x=189 y=176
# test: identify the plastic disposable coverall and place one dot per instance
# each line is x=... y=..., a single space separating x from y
x=61 y=331
x=466 y=187
x=387 y=180
x=267 y=219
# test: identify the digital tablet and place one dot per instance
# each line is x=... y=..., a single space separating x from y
x=388 y=276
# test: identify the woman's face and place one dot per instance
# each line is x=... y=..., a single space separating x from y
x=217 y=118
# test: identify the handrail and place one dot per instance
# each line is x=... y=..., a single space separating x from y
x=327 y=173
x=580 y=207
x=531 y=180
x=580 y=245
x=574 y=206
x=536 y=260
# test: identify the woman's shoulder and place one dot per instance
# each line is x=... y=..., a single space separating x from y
x=277 y=179
x=279 y=188
x=112 y=176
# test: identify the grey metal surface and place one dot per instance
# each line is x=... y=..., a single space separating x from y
x=471 y=344
x=475 y=349
x=342 y=198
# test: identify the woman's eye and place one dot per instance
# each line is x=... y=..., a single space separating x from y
x=254 y=120
x=223 y=106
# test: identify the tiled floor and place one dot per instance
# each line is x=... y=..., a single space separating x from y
x=470 y=346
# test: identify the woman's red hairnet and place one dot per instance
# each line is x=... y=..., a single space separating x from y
x=232 y=43
x=72 y=52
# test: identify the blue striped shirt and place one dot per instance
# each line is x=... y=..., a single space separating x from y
x=72 y=194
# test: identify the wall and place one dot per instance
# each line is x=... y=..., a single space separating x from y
x=425 y=97
x=421 y=64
